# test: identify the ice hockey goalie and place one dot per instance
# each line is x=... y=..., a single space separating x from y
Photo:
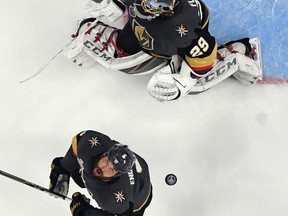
x=169 y=38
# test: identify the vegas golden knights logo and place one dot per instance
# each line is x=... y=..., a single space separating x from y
x=144 y=38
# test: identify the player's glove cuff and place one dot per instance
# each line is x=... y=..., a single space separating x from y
x=59 y=177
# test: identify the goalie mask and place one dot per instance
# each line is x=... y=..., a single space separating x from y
x=159 y=7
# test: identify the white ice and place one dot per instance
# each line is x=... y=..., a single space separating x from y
x=228 y=146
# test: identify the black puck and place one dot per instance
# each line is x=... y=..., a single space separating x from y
x=171 y=179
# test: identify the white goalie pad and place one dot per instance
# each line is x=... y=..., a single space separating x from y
x=75 y=53
x=98 y=44
x=139 y=63
x=220 y=72
x=106 y=8
x=170 y=84
x=163 y=85
x=243 y=68
x=250 y=70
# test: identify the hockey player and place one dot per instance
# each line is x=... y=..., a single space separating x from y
x=116 y=178
x=169 y=37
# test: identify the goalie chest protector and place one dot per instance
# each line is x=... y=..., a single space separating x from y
x=164 y=35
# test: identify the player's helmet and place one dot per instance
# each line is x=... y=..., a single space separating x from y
x=121 y=157
x=157 y=7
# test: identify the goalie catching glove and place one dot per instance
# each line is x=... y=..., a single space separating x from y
x=168 y=83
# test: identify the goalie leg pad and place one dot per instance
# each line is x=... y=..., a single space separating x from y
x=75 y=53
x=111 y=9
x=99 y=43
x=221 y=71
x=248 y=58
x=248 y=72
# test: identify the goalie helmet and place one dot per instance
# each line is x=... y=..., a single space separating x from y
x=121 y=157
x=159 y=7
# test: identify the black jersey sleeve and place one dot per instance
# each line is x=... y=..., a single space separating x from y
x=70 y=163
x=202 y=51
x=200 y=55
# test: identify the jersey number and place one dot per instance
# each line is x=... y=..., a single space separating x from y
x=200 y=48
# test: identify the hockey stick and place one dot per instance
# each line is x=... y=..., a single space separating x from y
x=55 y=56
x=38 y=187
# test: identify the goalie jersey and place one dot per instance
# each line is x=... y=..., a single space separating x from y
x=114 y=196
x=185 y=33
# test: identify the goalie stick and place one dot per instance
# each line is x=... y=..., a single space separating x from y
x=55 y=56
x=33 y=185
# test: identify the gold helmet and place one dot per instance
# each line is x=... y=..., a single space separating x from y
x=157 y=7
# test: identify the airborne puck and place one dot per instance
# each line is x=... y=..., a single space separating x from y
x=170 y=179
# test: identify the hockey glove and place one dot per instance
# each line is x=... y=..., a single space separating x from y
x=79 y=201
x=170 y=83
x=59 y=177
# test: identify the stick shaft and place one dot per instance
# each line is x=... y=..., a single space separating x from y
x=55 y=56
x=33 y=185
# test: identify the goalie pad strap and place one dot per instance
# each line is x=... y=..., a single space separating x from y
x=120 y=53
x=98 y=42
x=109 y=40
x=83 y=22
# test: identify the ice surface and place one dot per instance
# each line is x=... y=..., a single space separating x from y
x=227 y=146
x=266 y=19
